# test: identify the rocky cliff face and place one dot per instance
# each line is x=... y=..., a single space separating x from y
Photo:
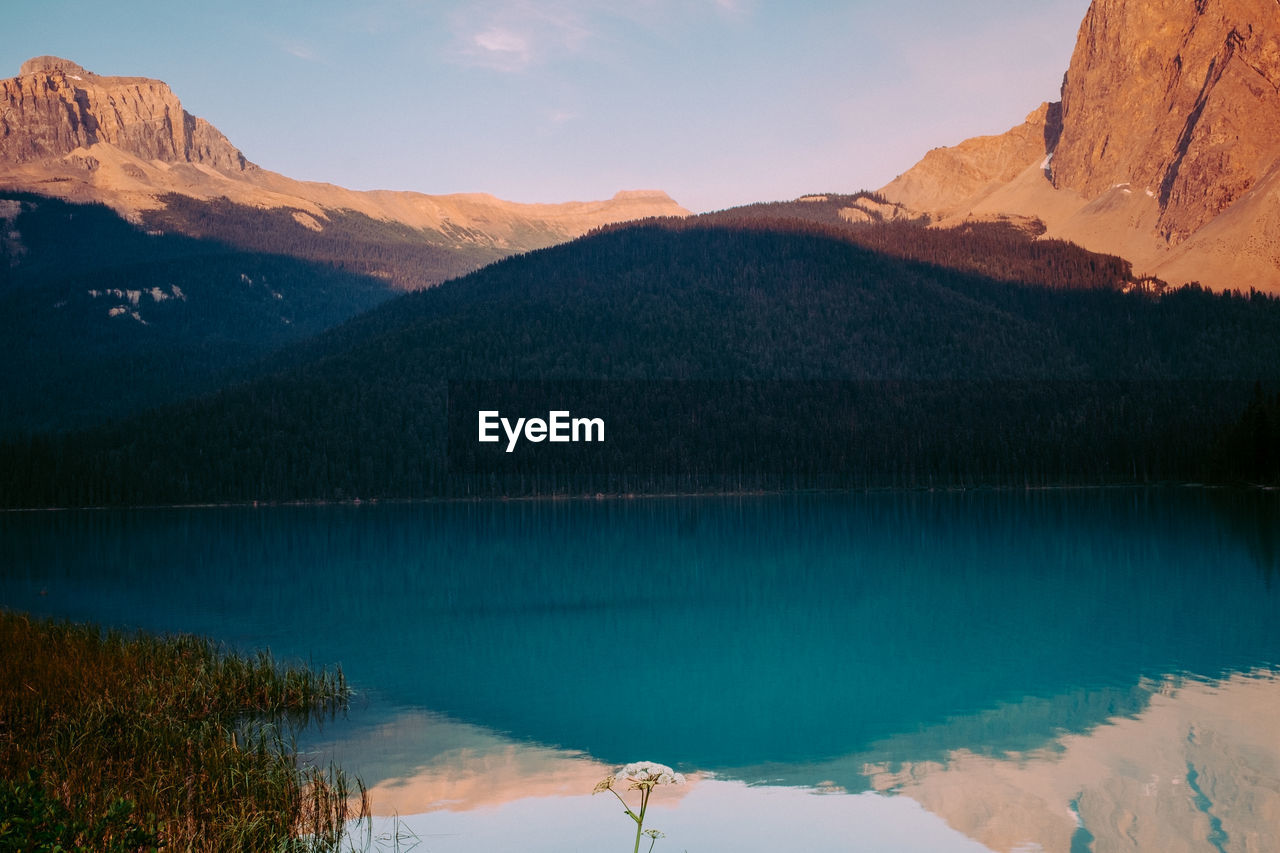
x=1167 y=153
x=54 y=107
x=1179 y=97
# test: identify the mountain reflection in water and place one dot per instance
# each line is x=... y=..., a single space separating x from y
x=1198 y=768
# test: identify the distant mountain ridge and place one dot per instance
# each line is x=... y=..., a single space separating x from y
x=127 y=142
x=1165 y=147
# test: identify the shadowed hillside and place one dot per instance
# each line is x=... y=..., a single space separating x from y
x=712 y=349
x=101 y=319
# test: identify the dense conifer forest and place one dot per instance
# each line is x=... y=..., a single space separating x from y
x=102 y=319
x=745 y=355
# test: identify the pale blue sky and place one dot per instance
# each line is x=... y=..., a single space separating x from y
x=718 y=102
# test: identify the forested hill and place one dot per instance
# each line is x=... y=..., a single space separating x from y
x=103 y=319
x=716 y=341
x=999 y=250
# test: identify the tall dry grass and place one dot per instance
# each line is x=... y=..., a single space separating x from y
x=121 y=742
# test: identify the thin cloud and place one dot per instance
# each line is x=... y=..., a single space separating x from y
x=514 y=35
x=738 y=8
x=298 y=49
x=506 y=44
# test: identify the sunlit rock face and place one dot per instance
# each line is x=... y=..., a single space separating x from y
x=1182 y=98
x=1164 y=149
x=54 y=107
x=949 y=180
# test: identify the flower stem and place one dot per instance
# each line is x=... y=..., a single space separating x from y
x=644 y=804
x=630 y=813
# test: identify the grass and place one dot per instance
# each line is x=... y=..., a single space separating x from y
x=120 y=742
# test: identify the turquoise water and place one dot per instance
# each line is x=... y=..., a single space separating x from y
x=820 y=644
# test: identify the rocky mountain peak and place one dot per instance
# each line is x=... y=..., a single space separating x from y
x=53 y=63
x=54 y=107
x=1179 y=98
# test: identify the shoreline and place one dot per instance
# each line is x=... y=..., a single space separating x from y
x=637 y=496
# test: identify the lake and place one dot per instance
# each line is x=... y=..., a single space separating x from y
x=1057 y=670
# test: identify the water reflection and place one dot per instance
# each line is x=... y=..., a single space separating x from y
x=1196 y=769
x=833 y=641
x=417 y=761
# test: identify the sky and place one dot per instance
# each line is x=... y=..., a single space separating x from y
x=717 y=102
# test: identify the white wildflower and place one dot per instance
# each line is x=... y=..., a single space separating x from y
x=643 y=776
x=647 y=774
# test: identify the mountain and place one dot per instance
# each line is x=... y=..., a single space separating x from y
x=144 y=258
x=1164 y=149
x=719 y=356
x=126 y=142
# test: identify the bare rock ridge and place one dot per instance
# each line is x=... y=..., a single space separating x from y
x=127 y=142
x=948 y=179
x=1166 y=148
x=54 y=107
